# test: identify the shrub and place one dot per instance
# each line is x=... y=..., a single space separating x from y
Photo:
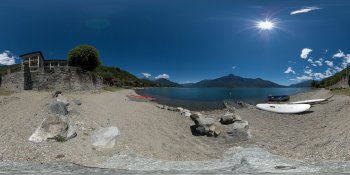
x=85 y=57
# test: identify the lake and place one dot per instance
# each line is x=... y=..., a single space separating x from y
x=212 y=98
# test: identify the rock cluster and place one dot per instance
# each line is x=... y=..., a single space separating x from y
x=205 y=125
x=57 y=125
x=238 y=129
x=183 y=112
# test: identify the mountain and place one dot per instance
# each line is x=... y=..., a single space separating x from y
x=162 y=82
x=307 y=83
x=187 y=84
x=234 y=81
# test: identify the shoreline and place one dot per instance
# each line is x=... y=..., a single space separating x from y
x=154 y=133
x=206 y=105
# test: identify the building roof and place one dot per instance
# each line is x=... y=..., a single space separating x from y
x=41 y=54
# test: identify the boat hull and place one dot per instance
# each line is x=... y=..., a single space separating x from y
x=284 y=108
x=140 y=98
x=278 y=98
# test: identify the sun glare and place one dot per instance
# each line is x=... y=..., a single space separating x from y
x=265 y=25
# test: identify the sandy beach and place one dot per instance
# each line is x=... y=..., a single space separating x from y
x=156 y=133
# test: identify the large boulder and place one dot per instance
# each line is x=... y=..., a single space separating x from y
x=105 y=137
x=56 y=127
x=61 y=98
x=205 y=125
x=229 y=118
x=239 y=131
x=57 y=107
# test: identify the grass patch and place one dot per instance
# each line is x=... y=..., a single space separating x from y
x=5 y=93
x=59 y=138
x=341 y=92
x=111 y=88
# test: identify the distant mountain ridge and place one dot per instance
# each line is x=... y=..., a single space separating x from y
x=307 y=83
x=162 y=82
x=233 y=81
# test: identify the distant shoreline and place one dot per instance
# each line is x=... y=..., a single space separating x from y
x=207 y=105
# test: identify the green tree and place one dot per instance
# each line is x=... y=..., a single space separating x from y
x=85 y=57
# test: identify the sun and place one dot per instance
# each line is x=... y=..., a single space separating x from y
x=265 y=25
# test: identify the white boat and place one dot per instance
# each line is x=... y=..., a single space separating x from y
x=312 y=101
x=284 y=108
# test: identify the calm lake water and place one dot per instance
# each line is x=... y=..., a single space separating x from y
x=212 y=98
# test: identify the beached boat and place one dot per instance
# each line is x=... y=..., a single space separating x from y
x=284 y=108
x=140 y=98
x=278 y=98
x=312 y=101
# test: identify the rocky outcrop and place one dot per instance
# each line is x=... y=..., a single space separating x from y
x=205 y=125
x=239 y=131
x=229 y=118
x=56 y=127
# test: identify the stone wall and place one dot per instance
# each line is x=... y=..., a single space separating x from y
x=65 y=78
x=13 y=82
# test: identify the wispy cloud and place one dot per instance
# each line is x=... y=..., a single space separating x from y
x=7 y=58
x=347 y=58
x=329 y=63
x=308 y=71
x=319 y=63
x=339 y=54
x=166 y=76
x=289 y=70
x=146 y=75
x=234 y=67
x=305 y=52
x=304 y=10
x=302 y=78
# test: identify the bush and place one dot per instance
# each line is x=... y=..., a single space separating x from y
x=85 y=57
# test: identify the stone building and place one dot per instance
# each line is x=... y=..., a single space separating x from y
x=38 y=73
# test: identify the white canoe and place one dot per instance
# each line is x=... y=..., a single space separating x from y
x=284 y=108
x=309 y=101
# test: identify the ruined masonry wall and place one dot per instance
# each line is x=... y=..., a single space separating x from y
x=60 y=79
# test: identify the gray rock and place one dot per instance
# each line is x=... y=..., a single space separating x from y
x=105 y=137
x=54 y=126
x=195 y=117
x=206 y=121
x=61 y=98
x=229 y=118
x=239 y=131
x=202 y=130
x=76 y=102
x=172 y=109
x=56 y=94
x=59 y=108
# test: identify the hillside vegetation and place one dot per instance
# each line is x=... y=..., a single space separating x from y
x=13 y=68
x=332 y=79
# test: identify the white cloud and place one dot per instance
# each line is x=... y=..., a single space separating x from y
x=308 y=71
x=305 y=52
x=339 y=54
x=338 y=68
x=304 y=10
x=318 y=76
x=166 y=76
x=146 y=75
x=347 y=58
x=303 y=78
x=319 y=63
x=7 y=58
x=328 y=73
x=289 y=70
x=313 y=64
x=234 y=67
x=310 y=60
x=329 y=63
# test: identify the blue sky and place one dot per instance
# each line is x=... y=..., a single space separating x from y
x=186 y=40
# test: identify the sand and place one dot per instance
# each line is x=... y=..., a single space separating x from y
x=151 y=132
